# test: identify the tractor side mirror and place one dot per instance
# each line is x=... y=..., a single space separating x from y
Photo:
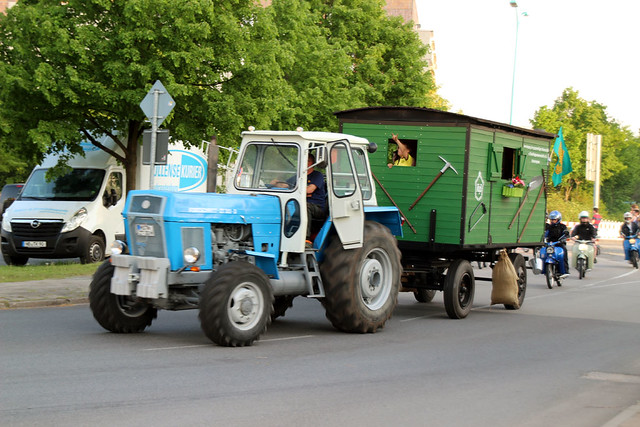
x=321 y=157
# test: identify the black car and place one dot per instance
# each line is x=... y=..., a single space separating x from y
x=8 y=195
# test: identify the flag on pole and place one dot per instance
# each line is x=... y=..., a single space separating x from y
x=563 y=164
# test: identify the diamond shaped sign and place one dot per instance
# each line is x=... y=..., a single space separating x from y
x=165 y=103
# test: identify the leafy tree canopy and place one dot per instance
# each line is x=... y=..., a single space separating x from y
x=70 y=70
x=620 y=151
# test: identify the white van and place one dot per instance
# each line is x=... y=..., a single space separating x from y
x=77 y=214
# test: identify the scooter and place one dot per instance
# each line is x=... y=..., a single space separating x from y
x=633 y=244
x=552 y=255
x=583 y=251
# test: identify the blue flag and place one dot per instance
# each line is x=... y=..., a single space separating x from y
x=563 y=164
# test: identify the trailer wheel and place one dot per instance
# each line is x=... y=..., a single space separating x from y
x=236 y=304
x=424 y=295
x=280 y=305
x=117 y=313
x=94 y=251
x=459 y=289
x=521 y=270
x=361 y=285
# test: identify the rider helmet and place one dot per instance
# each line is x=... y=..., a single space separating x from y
x=583 y=214
x=555 y=215
x=628 y=215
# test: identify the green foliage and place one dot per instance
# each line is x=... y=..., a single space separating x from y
x=58 y=270
x=620 y=154
x=72 y=69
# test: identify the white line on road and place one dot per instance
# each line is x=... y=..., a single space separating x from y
x=617 y=378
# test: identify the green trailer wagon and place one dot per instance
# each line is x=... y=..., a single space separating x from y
x=457 y=200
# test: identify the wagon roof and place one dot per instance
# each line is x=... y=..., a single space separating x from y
x=430 y=116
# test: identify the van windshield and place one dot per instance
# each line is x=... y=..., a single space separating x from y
x=78 y=185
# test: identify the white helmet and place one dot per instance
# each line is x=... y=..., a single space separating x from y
x=583 y=214
x=628 y=216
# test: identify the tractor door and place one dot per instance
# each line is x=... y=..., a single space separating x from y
x=345 y=196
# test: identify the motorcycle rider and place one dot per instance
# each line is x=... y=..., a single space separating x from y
x=584 y=231
x=556 y=231
x=629 y=228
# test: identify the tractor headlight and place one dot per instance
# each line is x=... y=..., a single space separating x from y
x=191 y=255
x=75 y=221
x=118 y=247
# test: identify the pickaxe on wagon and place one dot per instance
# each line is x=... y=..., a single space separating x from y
x=446 y=166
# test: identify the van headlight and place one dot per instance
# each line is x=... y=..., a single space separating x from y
x=75 y=221
x=6 y=223
x=191 y=255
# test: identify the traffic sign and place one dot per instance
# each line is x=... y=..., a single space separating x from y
x=165 y=103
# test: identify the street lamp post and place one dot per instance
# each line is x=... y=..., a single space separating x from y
x=514 y=4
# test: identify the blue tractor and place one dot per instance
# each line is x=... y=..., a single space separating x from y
x=241 y=258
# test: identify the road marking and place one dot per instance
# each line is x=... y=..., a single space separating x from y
x=617 y=378
x=288 y=338
x=177 y=347
x=180 y=347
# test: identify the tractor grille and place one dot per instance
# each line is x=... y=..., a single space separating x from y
x=147 y=237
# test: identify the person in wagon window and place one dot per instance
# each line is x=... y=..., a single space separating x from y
x=402 y=156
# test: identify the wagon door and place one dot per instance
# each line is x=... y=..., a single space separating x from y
x=345 y=197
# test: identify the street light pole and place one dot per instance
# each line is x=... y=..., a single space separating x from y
x=514 y=4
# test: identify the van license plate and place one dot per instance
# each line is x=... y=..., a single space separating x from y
x=34 y=244
x=145 y=230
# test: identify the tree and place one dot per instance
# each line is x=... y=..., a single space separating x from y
x=71 y=70
x=577 y=117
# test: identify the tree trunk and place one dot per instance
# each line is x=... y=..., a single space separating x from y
x=131 y=165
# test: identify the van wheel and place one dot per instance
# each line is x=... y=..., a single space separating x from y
x=117 y=313
x=94 y=251
x=361 y=285
x=15 y=260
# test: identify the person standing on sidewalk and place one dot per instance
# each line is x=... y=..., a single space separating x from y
x=596 y=218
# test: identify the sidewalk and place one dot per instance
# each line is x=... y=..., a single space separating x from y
x=44 y=293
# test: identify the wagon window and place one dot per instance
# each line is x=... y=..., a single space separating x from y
x=509 y=163
x=392 y=152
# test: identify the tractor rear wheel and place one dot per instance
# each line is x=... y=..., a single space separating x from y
x=361 y=285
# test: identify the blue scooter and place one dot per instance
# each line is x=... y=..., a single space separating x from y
x=552 y=255
x=632 y=244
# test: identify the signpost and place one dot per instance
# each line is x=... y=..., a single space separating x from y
x=156 y=106
x=594 y=149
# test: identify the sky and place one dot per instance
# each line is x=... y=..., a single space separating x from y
x=589 y=45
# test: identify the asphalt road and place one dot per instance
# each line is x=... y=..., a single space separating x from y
x=570 y=356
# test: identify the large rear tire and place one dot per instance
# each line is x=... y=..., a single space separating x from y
x=459 y=289
x=236 y=304
x=117 y=313
x=280 y=305
x=361 y=285
x=521 y=271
